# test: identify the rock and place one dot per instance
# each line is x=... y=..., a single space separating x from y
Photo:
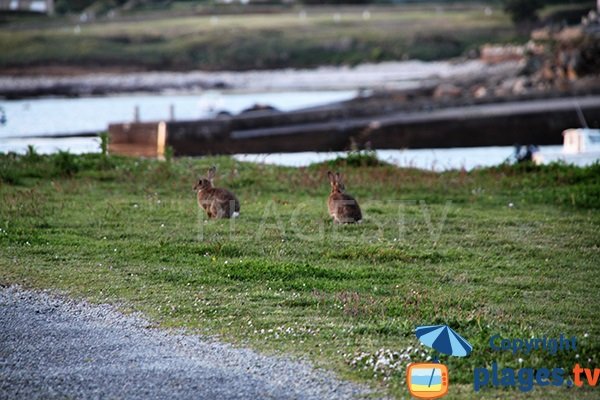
x=447 y=90
x=533 y=48
x=547 y=72
x=480 y=92
x=508 y=84
x=570 y=34
x=519 y=87
x=541 y=34
x=223 y=114
x=495 y=54
x=259 y=107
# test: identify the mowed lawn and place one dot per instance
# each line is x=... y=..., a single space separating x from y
x=286 y=39
x=509 y=250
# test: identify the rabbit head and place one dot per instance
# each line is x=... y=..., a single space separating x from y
x=206 y=183
x=337 y=184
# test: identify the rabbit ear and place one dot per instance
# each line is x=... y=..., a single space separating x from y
x=332 y=178
x=338 y=177
x=211 y=173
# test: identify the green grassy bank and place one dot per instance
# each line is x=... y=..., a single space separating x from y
x=512 y=250
x=290 y=38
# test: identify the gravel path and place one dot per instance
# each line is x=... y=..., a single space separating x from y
x=52 y=347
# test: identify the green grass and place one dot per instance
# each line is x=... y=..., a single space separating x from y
x=434 y=248
x=256 y=41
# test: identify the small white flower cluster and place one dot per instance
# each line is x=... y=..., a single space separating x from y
x=283 y=330
x=386 y=362
x=2 y=231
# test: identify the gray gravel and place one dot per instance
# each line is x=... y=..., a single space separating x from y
x=52 y=347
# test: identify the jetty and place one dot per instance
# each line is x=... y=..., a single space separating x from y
x=358 y=124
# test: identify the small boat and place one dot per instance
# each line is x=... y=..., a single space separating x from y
x=583 y=140
x=581 y=146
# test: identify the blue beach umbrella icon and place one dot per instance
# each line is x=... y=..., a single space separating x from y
x=444 y=339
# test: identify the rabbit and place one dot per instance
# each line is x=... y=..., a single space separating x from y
x=342 y=207
x=217 y=202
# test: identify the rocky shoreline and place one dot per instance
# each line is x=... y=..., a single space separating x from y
x=384 y=76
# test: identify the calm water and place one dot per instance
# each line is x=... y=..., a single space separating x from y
x=56 y=116
x=92 y=114
x=428 y=159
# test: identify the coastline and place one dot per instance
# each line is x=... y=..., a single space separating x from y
x=384 y=76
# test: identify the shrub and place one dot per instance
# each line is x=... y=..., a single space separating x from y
x=523 y=10
x=65 y=163
x=31 y=155
x=358 y=158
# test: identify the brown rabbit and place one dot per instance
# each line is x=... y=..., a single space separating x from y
x=217 y=202
x=342 y=207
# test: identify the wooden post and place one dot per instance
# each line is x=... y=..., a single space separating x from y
x=172 y=112
x=161 y=140
x=136 y=114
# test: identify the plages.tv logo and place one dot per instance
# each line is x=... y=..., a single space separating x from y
x=431 y=380
x=526 y=378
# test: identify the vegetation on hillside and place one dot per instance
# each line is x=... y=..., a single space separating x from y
x=287 y=39
x=201 y=35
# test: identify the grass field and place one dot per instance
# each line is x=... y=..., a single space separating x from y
x=434 y=248
x=287 y=39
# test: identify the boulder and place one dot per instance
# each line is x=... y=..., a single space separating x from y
x=447 y=90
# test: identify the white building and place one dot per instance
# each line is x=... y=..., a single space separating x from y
x=35 y=6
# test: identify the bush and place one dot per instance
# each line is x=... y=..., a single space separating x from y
x=65 y=163
x=104 y=162
x=31 y=155
x=523 y=10
x=357 y=158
